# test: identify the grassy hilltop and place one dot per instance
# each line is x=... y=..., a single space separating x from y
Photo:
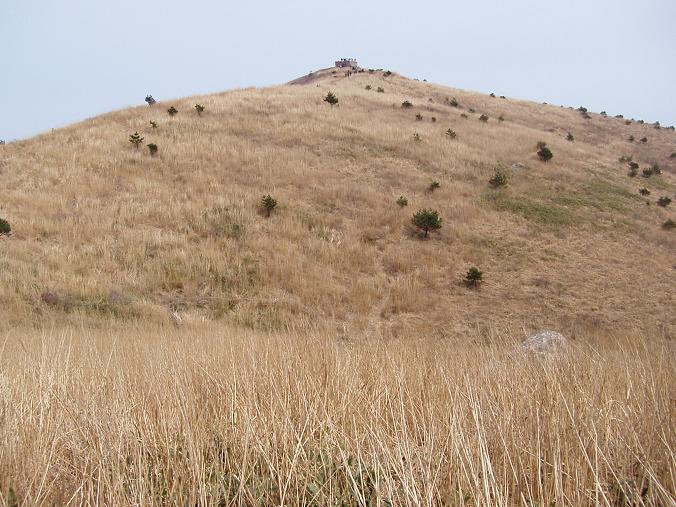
x=165 y=342
x=111 y=232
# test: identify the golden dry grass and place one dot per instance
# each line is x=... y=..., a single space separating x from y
x=327 y=355
x=217 y=416
x=117 y=234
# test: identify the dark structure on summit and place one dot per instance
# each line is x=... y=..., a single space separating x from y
x=347 y=62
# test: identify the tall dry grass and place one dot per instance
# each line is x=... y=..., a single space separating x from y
x=217 y=416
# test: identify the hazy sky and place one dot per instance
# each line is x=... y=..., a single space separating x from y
x=66 y=60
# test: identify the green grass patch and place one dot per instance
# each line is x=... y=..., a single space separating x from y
x=536 y=211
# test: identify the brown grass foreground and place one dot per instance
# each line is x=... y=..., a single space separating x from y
x=214 y=416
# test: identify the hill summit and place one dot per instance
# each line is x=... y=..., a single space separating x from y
x=159 y=210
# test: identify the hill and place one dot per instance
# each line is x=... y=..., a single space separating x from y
x=330 y=354
x=103 y=230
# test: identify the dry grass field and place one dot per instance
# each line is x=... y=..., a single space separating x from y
x=163 y=342
x=218 y=416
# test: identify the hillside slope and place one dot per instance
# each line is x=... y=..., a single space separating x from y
x=104 y=231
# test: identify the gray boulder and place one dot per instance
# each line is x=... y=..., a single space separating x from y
x=545 y=342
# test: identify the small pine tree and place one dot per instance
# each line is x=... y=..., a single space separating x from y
x=152 y=148
x=199 y=108
x=493 y=95
x=416 y=137
x=380 y=89
x=153 y=124
x=268 y=204
x=434 y=184
x=483 y=118
x=545 y=154
x=453 y=102
x=367 y=87
x=644 y=191
x=406 y=104
x=499 y=179
x=474 y=277
x=150 y=100
x=135 y=139
x=419 y=117
x=402 y=202
x=647 y=172
x=331 y=99
x=5 y=228
x=451 y=134
x=172 y=111
x=570 y=137
x=426 y=220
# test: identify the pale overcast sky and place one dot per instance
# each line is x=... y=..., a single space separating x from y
x=65 y=60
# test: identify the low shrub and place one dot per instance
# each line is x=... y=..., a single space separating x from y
x=380 y=89
x=453 y=102
x=426 y=220
x=463 y=115
x=153 y=124
x=172 y=111
x=632 y=139
x=493 y=95
x=406 y=104
x=483 y=118
x=499 y=179
x=644 y=139
x=135 y=139
x=5 y=228
x=644 y=191
x=150 y=100
x=268 y=204
x=152 y=148
x=331 y=99
x=470 y=110
x=668 y=224
x=570 y=137
x=199 y=108
x=416 y=137
x=664 y=201
x=367 y=87
x=434 y=119
x=402 y=202
x=545 y=154
x=451 y=133
x=434 y=184
x=474 y=277
x=419 y=117
x=501 y=118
